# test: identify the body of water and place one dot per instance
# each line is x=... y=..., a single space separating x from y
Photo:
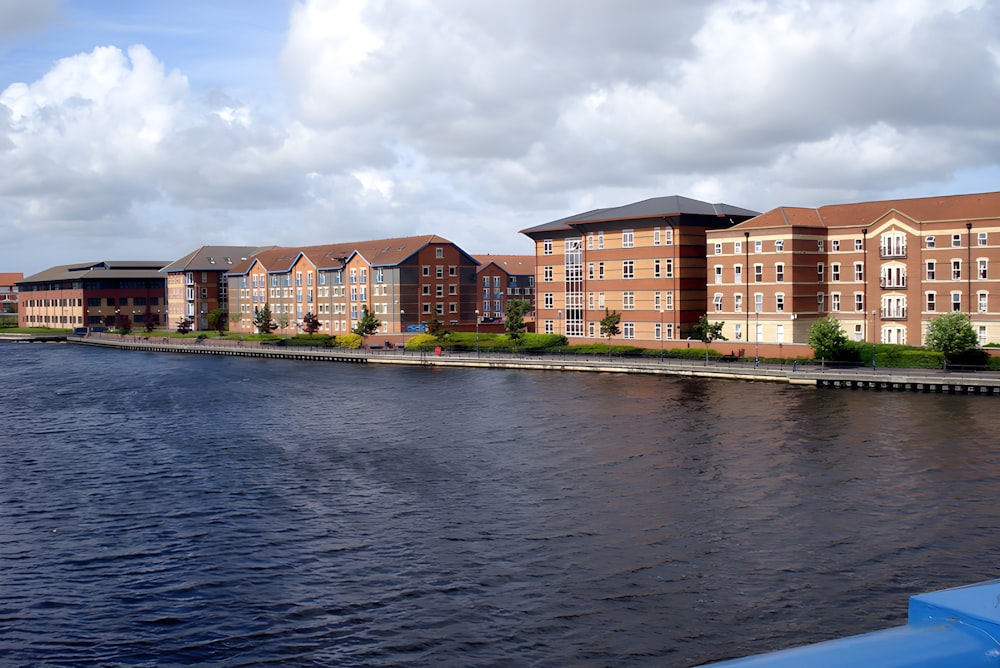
x=161 y=509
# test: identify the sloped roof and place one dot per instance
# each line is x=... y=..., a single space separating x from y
x=213 y=258
x=378 y=253
x=104 y=268
x=976 y=206
x=512 y=264
x=656 y=207
x=10 y=278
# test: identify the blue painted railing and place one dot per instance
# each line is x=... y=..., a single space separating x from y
x=946 y=629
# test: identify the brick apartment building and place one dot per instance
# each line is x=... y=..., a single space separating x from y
x=98 y=293
x=197 y=284
x=403 y=282
x=8 y=291
x=883 y=269
x=502 y=278
x=645 y=260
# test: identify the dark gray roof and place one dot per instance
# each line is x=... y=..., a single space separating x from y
x=212 y=258
x=104 y=268
x=656 y=207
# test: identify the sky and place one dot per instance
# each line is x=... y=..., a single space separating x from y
x=145 y=129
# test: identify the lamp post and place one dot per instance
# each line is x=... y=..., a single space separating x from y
x=746 y=275
x=864 y=278
x=661 y=335
x=477 y=332
x=756 y=337
x=968 y=271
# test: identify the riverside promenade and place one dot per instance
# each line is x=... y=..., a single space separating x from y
x=809 y=375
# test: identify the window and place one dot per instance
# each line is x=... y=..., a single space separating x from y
x=425 y=270
x=452 y=270
x=983 y=301
x=600 y=300
x=931 y=301
x=835 y=271
x=857 y=332
x=779 y=272
x=628 y=268
x=656 y=301
x=656 y=269
x=779 y=333
x=628 y=238
x=547 y=247
x=439 y=253
x=859 y=271
x=981 y=268
x=929 y=241
x=956 y=270
x=600 y=271
x=738 y=331
x=718 y=249
x=859 y=302
x=657 y=331
x=737 y=273
x=819 y=245
x=669 y=268
x=717 y=301
x=858 y=244
x=549 y=299
x=628 y=330
x=820 y=302
x=834 y=301
x=737 y=247
x=496 y=282
x=439 y=271
x=892 y=244
x=758 y=302
x=779 y=245
x=779 y=302
x=439 y=290
x=656 y=236
x=956 y=301
x=983 y=340
x=547 y=274
x=628 y=301
x=670 y=331
x=982 y=238
x=718 y=273
x=590 y=270
x=550 y=327
x=668 y=237
x=836 y=244
x=758 y=273
x=956 y=241
x=758 y=246
x=931 y=269
x=668 y=300
x=600 y=239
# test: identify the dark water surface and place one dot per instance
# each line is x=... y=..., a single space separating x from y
x=162 y=509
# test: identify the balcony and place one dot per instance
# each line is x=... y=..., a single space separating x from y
x=894 y=283
x=891 y=251
x=894 y=313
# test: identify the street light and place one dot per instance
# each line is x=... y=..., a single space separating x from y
x=477 y=332
x=756 y=337
x=661 y=335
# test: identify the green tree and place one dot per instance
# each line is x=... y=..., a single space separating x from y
x=514 y=323
x=436 y=328
x=951 y=334
x=310 y=323
x=609 y=326
x=262 y=320
x=827 y=339
x=217 y=319
x=368 y=324
x=707 y=332
x=184 y=326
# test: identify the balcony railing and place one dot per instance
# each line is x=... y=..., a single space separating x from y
x=894 y=313
x=886 y=252
x=893 y=284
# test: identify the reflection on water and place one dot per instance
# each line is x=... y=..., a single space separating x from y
x=173 y=509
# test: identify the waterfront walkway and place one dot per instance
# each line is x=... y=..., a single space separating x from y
x=814 y=375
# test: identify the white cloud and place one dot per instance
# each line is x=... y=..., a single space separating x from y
x=474 y=119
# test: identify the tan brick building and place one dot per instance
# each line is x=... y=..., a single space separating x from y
x=883 y=269
x=197 y=284
x=645 y=260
